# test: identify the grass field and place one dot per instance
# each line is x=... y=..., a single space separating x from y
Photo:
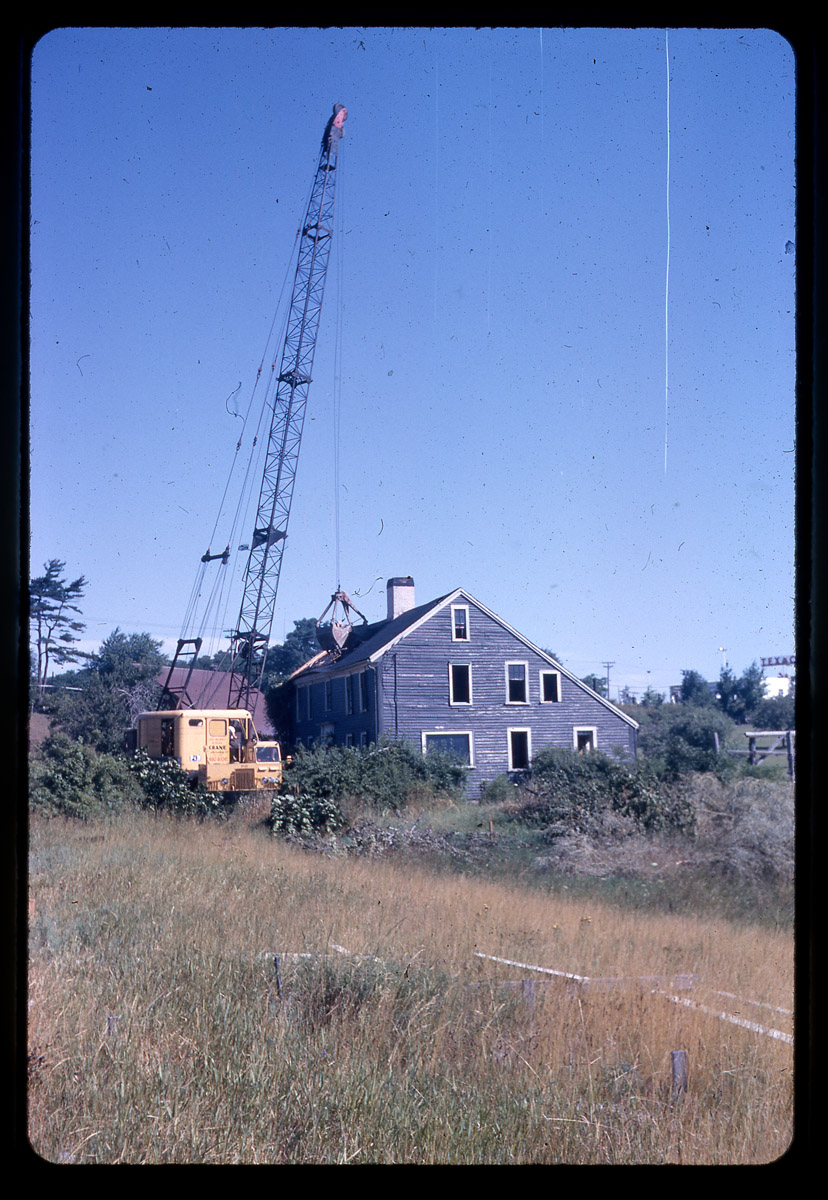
x=159 y=1032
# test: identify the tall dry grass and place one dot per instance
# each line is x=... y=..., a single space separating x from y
x=157 y=1032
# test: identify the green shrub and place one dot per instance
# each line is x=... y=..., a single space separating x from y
x=304 y=814
x=164 y=786
x=500 y=790
x=68 y=778
x=386 y=777
x=675 y=739
x=567 y=793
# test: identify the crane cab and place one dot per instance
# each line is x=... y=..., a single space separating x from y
x=218 y=747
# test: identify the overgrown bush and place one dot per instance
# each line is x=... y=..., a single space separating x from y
x=500 y=790
x=302 y=813
x=774 y=712
x=746 y=828
x=166 y=787
x=675 y=739
x=68 y=778
x=566 y=793
x=385 y=778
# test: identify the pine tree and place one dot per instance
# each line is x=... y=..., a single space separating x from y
x=54 y=629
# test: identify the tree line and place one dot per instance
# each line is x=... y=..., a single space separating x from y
x=98 y=695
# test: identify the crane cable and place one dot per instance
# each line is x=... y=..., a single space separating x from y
x=337 y=382
x=217 y=601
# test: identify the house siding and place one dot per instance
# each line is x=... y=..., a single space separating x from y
x=357 y=723
x=407 y=692
x=415 y=695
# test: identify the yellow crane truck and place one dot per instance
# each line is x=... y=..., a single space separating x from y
x=218 y=747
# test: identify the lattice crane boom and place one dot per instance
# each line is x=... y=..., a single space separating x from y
x=249 y=640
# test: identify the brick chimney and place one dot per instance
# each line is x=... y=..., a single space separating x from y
x=400 y=595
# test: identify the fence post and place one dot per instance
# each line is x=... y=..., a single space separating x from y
x=679 y=1068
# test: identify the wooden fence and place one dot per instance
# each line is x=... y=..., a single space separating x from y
x=756 y=753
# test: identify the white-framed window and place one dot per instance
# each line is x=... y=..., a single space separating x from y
x=460 y=683
x=550 y=687
x=520 y=749
x=349 y=740
x=328 y=695
x=517 y=683
x=459 y=622
x=303 y=703
x=456 y=743
x=349 y=694
x=363 y=739
x=363 y=691
x=584 y=738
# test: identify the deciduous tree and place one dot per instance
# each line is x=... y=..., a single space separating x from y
x=119 y=682
x=598 y=683
x=300 y=645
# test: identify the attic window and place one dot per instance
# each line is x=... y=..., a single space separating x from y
x=459 y=623
x=550 y=687
x=517 y=691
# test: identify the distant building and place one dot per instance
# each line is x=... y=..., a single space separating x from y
x=451 y=676
x=779 y=682
x=210 y=689
x=779 y=685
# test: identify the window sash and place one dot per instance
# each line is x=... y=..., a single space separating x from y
x=517 y=686
x=459 y=623
x=550 y=681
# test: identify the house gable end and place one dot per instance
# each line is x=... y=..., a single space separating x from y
x=461 y=597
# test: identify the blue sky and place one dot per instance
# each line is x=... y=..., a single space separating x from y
x=533 y=407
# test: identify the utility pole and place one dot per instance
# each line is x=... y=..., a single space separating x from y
x=607 y=666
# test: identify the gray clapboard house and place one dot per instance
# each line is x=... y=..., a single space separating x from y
x=451 y=676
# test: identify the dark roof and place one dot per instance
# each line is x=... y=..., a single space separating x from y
x=365 y=640
x=209 y=689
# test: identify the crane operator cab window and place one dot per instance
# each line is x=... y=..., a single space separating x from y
x=167 y=737
x=238 y=741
